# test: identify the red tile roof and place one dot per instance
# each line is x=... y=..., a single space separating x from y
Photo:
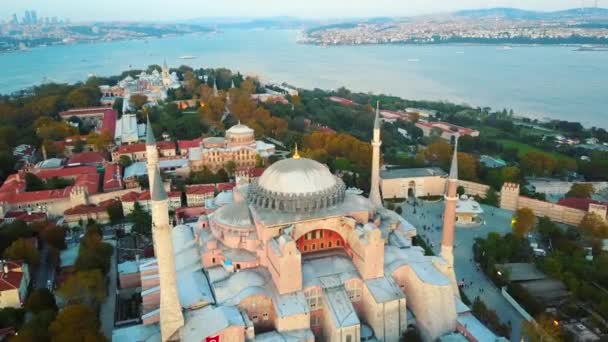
x=145 y=196
x=165 y=145
x=132 y=148
x=578 y=203
x=225 y=186
x=108 y=123
x=12 y=279
x=111 y=178
x=184 y=145
x=200 y=189
x=87 y=158
x=13 y=189
x=343 y=101
x=25 y=216
x=90 y=208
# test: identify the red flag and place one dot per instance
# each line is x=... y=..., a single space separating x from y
x=215 y=338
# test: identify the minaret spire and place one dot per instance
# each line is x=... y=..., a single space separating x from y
x=296 y=155
x=449 y=214
x=374 y=193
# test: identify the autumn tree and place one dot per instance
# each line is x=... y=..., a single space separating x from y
x=543 y=329
x=40 y=300
x=594 y=224
x=86 y=96
x=467 y=167
x=49 y=129
x=54 y=236
x=86 y=287
x=137 y=101
x=22 y=249
x=580 y=190
x=436 y=153
x=538 y=164
x=101 y=141
x=523 y=221
x=230 y=167
x=76 y=323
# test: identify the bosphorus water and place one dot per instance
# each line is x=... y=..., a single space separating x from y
x=536 y=81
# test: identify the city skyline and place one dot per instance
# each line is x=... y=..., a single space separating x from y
x=157 y=9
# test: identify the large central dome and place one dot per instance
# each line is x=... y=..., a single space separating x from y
x=297 y=176
x=297 y=185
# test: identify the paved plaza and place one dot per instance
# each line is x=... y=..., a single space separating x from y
x=495 y=220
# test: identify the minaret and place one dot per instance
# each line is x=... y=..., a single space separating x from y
x=171 y=316
x=151 y=152
x=215 y=91
x=449 y=213
x=166 y=77
x=374 y=192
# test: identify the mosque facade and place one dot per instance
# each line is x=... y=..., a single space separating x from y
x=295 y=257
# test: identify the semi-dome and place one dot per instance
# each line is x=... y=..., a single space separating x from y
x=297 y=185
x=297 y=176
x=235 y=215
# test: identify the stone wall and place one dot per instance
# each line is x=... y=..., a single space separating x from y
x=474 y=189
x=510 y=199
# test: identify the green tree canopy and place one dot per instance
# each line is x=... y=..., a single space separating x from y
x=84 y=287
x=22 y=249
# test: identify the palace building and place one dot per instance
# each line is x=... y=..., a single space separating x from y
x=296 y=257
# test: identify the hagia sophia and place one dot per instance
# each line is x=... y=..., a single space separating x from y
x=297 y=257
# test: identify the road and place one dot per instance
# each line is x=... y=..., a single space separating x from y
x=45 y=270
x=496 y=220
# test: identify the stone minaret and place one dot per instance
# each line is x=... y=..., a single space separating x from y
x=166 y=77
x=374 y=192
x=171 y=317
x=449 y=213
x=151 y=152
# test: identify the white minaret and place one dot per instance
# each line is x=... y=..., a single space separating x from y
x=171 y=316
x=151 y=152
x=165 y=75
x=449 y=213
x=374 y=192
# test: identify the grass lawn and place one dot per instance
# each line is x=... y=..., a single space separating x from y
x=523 y=148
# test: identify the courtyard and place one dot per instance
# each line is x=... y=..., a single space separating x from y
x=427 y=218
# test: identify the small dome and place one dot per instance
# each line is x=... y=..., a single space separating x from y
x=297 y=176
x=239 y=129
x=235 y=215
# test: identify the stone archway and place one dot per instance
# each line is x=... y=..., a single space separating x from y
x=320 y=240
x=411 y=189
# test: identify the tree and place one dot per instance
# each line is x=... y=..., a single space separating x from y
x=592 y=223
x=580 y=190
x=22 y=249
x=84 y=287
x=101 y=141
x=84 y=96
x=11 y=317
x=137 y=101
x=33 y=182
x=142 y=222
x=538 y=163
x=40 y=300
x=125 y=161
x=230 y=167
x=460 y=190
x=467 y=167
x=37 y=328
x=523 y=221
x=544 y=329
x=437 y=153
x=54 y=236
x=76 y=323
x=115 y=212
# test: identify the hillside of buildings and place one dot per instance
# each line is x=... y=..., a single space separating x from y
x=74 y=167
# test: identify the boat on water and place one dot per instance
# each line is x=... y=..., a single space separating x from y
x=413 y=60
x=187 y=57
x=460 y=52
x=506 y=48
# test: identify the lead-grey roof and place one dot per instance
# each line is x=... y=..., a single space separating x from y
x=412 y=173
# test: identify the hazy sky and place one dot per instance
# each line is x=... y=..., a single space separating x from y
x=185 y=9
